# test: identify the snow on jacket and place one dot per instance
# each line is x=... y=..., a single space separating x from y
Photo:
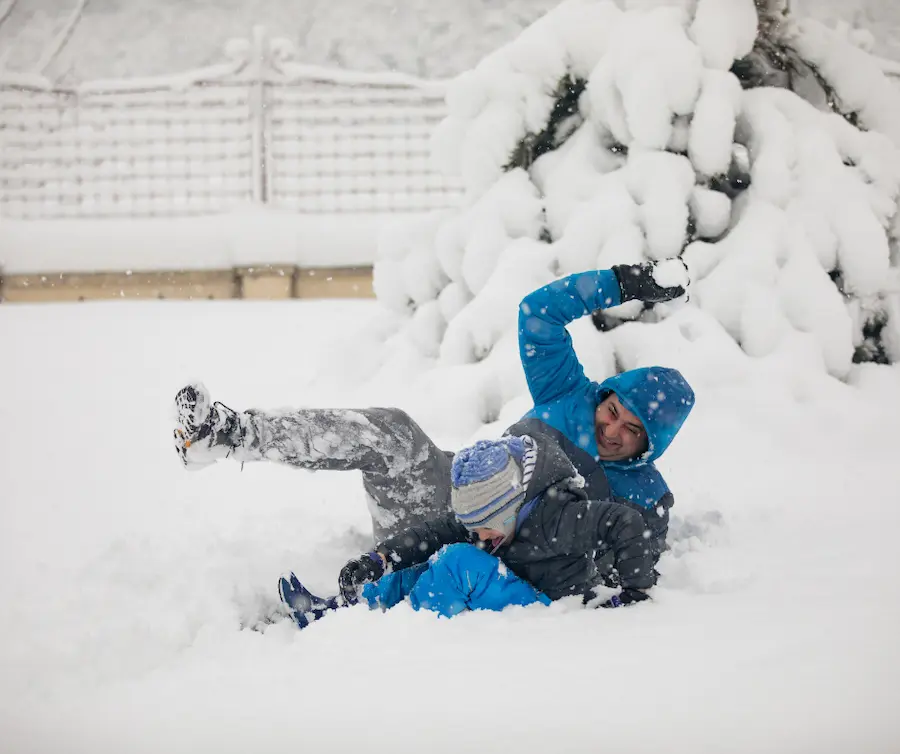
x=557 y=534
x=565 y=400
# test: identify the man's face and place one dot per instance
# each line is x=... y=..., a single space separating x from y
x=620 y=434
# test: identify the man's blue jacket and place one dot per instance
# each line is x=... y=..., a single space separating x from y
x=565 y=400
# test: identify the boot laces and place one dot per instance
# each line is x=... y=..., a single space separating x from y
x=227 y=420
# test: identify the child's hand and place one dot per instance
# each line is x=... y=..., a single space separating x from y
x=364 y=570
x=626 y=597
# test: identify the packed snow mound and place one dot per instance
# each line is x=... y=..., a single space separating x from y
x=604 y=136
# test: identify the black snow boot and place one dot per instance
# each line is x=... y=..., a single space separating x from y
x=204 y=431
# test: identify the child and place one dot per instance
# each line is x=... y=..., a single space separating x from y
x=521 y=530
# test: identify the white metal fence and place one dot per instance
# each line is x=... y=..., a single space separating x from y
x=255 y=128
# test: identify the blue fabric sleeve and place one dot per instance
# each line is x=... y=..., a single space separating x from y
x=551 y=367
x=393 y=587
x=464 y=577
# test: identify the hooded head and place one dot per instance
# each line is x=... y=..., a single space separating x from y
x=660 y=397
x=489 y=482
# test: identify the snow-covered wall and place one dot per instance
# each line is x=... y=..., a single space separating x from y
x=655 y=162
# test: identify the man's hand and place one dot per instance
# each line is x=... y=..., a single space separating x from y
x=652 y=282
x=626 y=597
x=364 y=570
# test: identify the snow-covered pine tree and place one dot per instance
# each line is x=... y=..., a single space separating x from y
x=761 y=149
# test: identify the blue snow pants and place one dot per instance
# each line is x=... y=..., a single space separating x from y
x=458 y=577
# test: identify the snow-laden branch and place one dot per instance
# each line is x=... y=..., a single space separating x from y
x=6 y=7
x=55 y=47
x=655 y=164
x=890 y=67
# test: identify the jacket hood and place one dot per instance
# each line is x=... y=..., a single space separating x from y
x=660 y=397
x=551 y=466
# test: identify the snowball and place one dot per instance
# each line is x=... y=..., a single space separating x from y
x=671 y=273
x=725 y=30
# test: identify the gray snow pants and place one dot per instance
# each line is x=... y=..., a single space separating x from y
x=405 y=475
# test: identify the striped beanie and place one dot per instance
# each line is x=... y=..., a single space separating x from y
x=489 y=482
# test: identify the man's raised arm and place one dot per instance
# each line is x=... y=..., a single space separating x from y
x=551 y=367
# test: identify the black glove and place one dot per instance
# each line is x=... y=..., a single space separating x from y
x=363 y=570
x=626 y=597
x=636 y=283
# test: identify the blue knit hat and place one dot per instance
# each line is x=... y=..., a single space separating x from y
x=489 y=482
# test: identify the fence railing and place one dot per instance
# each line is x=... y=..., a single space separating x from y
x=257 y=127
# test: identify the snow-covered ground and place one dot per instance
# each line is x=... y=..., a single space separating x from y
x=126 y=580
x=134 y=592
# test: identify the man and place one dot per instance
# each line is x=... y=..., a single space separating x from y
x=612 y=432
